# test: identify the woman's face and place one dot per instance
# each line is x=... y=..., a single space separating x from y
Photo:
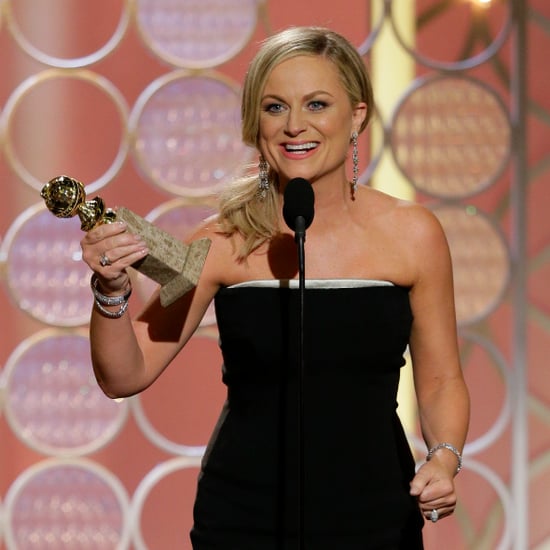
x=306 y=120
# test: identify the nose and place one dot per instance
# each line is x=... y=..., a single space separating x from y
x=296 y=122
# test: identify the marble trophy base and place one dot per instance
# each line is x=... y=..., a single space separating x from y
x=173 y=264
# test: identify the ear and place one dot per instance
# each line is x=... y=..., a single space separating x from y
x=358 y=116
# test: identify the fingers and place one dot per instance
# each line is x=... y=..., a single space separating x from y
x=121 y=256
x=419 y=482
x=443 y=507
x=109 y=249
x=103 y=230
x=434 y=490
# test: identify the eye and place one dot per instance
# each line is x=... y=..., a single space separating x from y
x=274 y=108
x=316 y=105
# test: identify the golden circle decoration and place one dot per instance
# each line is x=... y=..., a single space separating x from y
x=31 y=84
x=67 y=503
x=151 y=481
x=375 y=28
x=194 y=34
x=470 y=16
x=35 y=52
x=451 y=136
x=44 y=271
x=194 y=428
x=186 y=133
x=480 y=258
x=53 y=403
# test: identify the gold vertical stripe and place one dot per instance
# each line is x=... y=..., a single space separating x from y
x=392 y=70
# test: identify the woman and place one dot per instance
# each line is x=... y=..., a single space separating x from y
x=378 y=280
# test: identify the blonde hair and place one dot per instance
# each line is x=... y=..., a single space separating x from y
x=241 y=209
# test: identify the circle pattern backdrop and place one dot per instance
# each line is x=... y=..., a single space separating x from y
x=153 y=89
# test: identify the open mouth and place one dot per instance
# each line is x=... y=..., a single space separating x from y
x=300 y=148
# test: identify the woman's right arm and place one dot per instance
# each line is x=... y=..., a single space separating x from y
x=129 y=354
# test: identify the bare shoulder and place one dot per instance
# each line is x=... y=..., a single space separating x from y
x=425 y=242
x=420 y=224
x=413 y=237
x=221 y=261
x=409 y=222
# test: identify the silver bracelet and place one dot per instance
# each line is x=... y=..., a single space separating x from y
x=101 y=300
x=111 y=314
x=449 y=447
x=109 y=300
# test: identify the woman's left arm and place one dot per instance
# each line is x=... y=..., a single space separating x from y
x=442 y=395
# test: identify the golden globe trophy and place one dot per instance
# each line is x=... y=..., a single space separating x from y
x=173 y=264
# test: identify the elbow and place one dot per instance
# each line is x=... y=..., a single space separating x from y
x=112 y=394
x=114 y=391
x=115 y=381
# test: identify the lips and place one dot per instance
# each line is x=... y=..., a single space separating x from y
x=300 y=148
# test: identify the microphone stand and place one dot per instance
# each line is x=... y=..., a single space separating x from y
x=300 y=237
x=298 y=212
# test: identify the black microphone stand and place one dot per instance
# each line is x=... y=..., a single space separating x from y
x=298 y=212
x=300 y=237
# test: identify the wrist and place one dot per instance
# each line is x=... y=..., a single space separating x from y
x=102 y=301
x=441 y=448
x=105 y=294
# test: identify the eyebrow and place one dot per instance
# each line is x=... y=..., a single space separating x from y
x=307 y=96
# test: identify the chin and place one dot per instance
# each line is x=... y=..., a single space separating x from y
x=298 y=174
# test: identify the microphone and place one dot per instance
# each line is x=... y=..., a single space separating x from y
x=298 y=210
x=298 y=214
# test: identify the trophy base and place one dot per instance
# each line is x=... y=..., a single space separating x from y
x=173 y=264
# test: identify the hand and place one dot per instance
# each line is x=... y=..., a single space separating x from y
x=108 y=250
x=433 y=485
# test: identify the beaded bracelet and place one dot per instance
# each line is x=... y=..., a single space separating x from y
x=101 y=300
x=112 y=314
x=449 y=447
x=109 y=300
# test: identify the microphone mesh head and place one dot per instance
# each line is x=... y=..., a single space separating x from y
x=298 y=201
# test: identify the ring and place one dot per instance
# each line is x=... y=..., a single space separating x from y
x=434 y=515
x=104 y=261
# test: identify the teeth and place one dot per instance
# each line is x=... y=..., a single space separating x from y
x=300 y=147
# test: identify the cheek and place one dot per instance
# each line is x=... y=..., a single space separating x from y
x=337 y=132
x=268 y=128
x=263 y=148
x=337 y=126
x=267 y=137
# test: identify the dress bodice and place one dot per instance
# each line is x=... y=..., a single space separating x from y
x=356 y=461
x=349 y=326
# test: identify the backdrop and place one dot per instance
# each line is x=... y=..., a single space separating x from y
x=139 y=99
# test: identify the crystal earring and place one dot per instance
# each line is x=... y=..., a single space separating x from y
x=355 y=159
x=263 y=177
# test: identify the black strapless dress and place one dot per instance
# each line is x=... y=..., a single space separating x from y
x=356 y=462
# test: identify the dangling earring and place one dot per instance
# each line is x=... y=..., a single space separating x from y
x=355 y=159
x=263 y=178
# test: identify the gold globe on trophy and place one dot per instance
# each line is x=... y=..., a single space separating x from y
x=173 y=264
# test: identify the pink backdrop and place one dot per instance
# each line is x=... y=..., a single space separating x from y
x=184 y=403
